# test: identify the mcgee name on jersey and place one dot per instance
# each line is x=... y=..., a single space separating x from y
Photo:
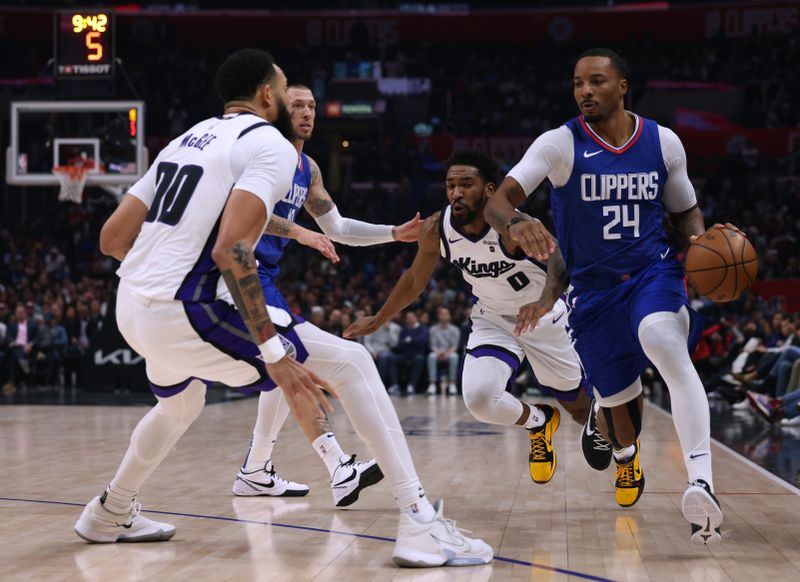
x=633 y=186
x=492 y=269
x=192 y=141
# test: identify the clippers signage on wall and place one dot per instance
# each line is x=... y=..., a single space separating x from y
x=617 y=23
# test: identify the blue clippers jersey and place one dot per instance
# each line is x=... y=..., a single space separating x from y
x=270 y=248
x=608 y=216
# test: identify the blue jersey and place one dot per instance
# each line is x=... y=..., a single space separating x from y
x=608 y=216
x=270 y=248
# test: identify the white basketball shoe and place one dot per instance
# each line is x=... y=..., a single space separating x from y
x=351 y=477
x=98 y=525
x=437 y=543
x=701 y=509
x=264 y=481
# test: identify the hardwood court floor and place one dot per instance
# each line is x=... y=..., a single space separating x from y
x=54 y=459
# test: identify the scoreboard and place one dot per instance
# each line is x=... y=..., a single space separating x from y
x=84 y=44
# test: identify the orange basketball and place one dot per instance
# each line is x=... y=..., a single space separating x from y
x=721 y=264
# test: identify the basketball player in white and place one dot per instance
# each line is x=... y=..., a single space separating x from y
x=257 y=475
x=507 y=285
x=192 y=221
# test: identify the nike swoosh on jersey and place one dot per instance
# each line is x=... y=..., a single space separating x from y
x=452 y=241
x=693 y=456
x=555 y=319
x=665 y=253
x=586 y=154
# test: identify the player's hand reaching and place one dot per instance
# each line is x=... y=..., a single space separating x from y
x=362 y=326
x=299 y=384
x=320 y=242
x=408 y=231
x=533 y=237
x=694 y=237
x=529 y=315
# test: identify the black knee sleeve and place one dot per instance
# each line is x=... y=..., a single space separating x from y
x=633 y=413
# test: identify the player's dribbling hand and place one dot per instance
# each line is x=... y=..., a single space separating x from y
x=733 y=227
x=298 y=382
x=408 y=231
x=534 y=239
x=319 y=242
x=529 y=315
x=361 y=326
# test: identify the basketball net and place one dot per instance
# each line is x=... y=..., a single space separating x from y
x=72 y=178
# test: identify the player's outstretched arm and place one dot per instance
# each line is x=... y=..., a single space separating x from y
x=348 y=231
x=412 y=282
x=241 y=226
x=279 y=226
x=121 y=229
x=502 y=214
x=556 y=282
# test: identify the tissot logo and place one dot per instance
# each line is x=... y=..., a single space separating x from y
x=120 y=357
x=493 y=269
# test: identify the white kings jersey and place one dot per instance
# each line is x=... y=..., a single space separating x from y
x=185 y=191
x=500 y=282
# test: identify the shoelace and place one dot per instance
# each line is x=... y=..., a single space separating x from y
x=273 y=476
x=625 y=474
x=136 y=508
x=350 y=462
x=452 y=529
x=538 y=447
x=600 y=443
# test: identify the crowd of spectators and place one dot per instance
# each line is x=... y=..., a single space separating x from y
x=55 y=287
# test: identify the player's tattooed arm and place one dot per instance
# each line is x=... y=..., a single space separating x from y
x=279 y=226
x=412 y=282
x=245 y=287
x=502 y=206
x=688 y=225
x=528 y=232
x=319 y=202
x=557 y=279
x=556 y=282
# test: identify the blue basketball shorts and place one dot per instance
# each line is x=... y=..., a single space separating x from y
x=604 y=323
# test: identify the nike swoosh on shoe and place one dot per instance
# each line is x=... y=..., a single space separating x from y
x=350 y=478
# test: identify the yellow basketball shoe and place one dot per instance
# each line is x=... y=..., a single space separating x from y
x=630 y=479
x=542 y=458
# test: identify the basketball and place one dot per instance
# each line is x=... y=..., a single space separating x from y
x=721 y=264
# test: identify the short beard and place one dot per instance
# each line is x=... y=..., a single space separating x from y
x=283 y=122
x=470 y=216
x=593 y=118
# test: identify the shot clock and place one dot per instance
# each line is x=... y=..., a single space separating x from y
x=84 y=44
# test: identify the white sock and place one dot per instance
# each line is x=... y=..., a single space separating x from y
x=536 y=417
x=117 y=500
x=663 y=336
x=421 y=510
x=329 y=451
x=624 y=455
x=273 y=410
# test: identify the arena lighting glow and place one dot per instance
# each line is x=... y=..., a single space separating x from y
x=132 y=121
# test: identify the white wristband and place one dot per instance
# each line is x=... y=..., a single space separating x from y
x=272 y=350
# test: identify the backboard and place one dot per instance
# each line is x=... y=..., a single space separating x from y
x=45 y=134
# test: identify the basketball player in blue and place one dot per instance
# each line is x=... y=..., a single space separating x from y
x=348 y=476
x=506 y=285
x=613 y=174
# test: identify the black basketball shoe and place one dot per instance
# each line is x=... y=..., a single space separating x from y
x=596 y=449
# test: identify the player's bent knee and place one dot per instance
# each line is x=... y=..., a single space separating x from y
x=479 y=399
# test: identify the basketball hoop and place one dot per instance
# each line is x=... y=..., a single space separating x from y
x=72 y=179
